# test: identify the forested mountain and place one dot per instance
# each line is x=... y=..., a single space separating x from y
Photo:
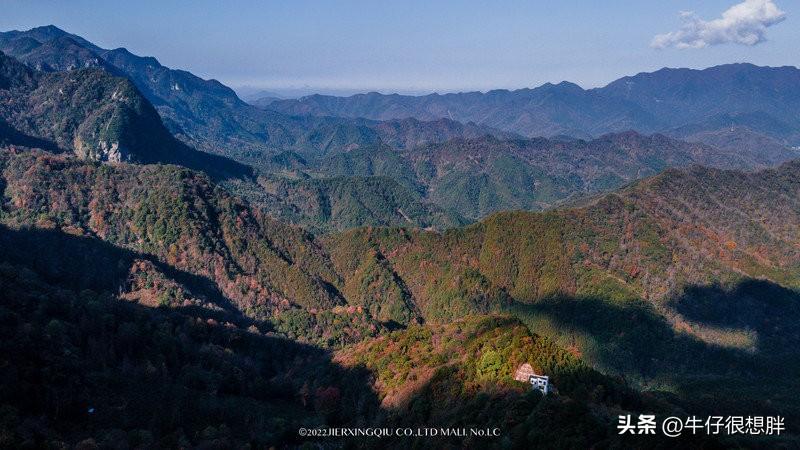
x=471 y=178
x=671 y=260
x=194 y=380
x=450 y=373
x=475 y=177
x=390 y=273
x=340 y=203
x=94 y=115
x=100 y=117
x=682 y=227
x=178 y=215
x=440 y=168
x=747 y=93
x=87 y=367
x=209 y=116
x=205 y=113
x=764 y=99
x=762 y=150
x=700 y=263
x=51 y=49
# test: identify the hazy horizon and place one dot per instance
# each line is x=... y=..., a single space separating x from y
x=417 y=48
x=246 y=90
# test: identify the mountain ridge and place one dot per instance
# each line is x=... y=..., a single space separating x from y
x=393 y=273
x=477 y=176
x=95 y=115
x=205 y=113
x=641 y=102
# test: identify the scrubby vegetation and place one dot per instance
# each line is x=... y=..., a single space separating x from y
x=461 y=375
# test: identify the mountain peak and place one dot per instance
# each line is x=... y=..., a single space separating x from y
x=569 y=85
x=101 y=117
x=125 y=53
x=48 y=33
x=48 y=30
x=561 y=85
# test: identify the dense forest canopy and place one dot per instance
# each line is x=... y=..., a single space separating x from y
x=158 y=291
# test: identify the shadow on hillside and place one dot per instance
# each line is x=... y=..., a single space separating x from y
x=628 y=339
x=86 y=365
x=78 y=262
x=173 y=373
x=217 y=167
x=768 y=309
x=11 y=136
x=632 y=340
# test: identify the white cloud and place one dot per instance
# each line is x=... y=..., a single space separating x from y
x=744 y=23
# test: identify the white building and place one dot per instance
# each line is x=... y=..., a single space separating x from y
x=526 y=374
x=540 y=382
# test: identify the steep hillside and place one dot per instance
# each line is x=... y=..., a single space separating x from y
x=51 y=49
x=672 y=260
x=650 y=240
x=379 y=160
x=191 y=379
x=684 y=227
x=178 y=216
x=205 y=113
x=94 y=115
x=489 y=175
x=103 y=118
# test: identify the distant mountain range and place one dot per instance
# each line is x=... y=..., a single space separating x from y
x=211 y=117
x=97 y=116
x=764 y=99
x=154 y=295
x=331 y=163
x=208 y=115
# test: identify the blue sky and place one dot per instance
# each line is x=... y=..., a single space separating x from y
x=415 y=46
